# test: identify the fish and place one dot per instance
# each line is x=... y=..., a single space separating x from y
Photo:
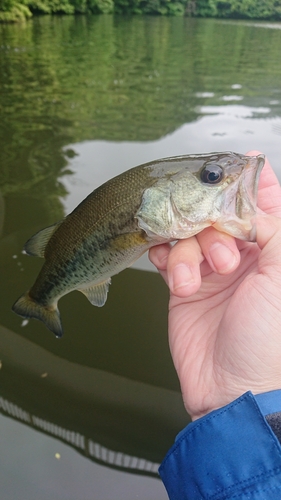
x=161 y=201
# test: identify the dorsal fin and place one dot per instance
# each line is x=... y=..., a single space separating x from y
x=97 y=294
x=36 y=245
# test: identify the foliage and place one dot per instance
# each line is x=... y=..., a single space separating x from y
x=203 y=8
x=93 y=6
x=163 y=7
x=263 y=9
x=13 y=10
x=128 y=7
x=51 y=6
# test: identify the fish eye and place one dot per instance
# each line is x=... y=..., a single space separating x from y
x=212 y=174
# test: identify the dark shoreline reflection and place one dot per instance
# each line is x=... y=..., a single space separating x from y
x=110 y=378
x=86 y=407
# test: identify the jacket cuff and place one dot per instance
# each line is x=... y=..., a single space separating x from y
x=229 y=451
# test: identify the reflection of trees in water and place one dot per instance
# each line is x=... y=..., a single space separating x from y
x=84 y=445
x=69 y=79
x=2 y=213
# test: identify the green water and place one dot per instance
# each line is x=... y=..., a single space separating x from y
x=81 y=100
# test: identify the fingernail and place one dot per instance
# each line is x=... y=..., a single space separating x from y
x=181 y=276
x=222 y=257
x=162 y=254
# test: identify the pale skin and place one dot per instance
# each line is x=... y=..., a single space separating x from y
x=225 y=308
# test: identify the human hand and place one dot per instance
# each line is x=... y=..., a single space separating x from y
x=225 y=308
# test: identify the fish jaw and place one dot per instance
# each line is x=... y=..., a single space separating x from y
x=239 y=205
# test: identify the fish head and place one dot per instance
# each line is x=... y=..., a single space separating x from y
x=198 y=191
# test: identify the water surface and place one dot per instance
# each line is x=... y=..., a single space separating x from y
x=83 y=99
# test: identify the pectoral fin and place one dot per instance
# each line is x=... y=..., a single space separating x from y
x=97 y=294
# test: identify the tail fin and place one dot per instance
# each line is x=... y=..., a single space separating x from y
x=28 y=308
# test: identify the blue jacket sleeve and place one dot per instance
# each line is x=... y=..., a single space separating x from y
x=231 y=453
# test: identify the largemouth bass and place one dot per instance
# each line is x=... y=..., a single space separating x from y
x=160 y=201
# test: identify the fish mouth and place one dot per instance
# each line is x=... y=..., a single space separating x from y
x=238 y=216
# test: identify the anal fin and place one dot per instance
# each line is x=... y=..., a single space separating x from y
x=97 y=294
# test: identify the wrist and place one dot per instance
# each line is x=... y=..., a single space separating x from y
x=268 y=401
